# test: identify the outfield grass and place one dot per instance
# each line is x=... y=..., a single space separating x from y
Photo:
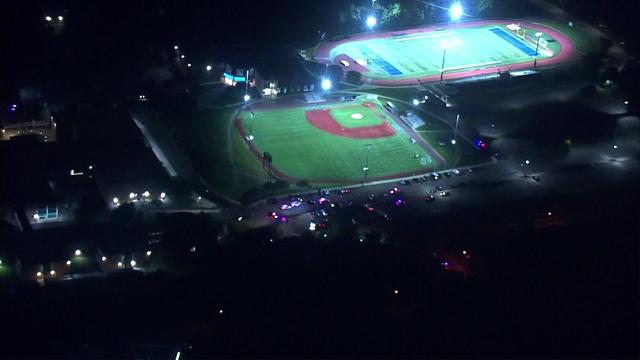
x=304 y=152
x=421 y=54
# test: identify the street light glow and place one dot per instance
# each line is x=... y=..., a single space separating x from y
x=115 y=200
x=148 y=252
x=175 y=47
x=52 y=273
x=456 y=11
x=163 y=195
x=104 y=258
x=325 y=84
x=453 y=141
x=48 y=18
x=68 y=262
x=416 y=102
x=60 y=18
x=133 y=263
x=146 y=194
x=247 y=97
x=371 y=21
x=78 y=252
x=208 y=68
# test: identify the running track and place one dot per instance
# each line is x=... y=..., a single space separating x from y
x=567 y=53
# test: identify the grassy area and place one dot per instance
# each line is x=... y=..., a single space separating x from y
x=421 y=54
x=305 y=152
x=583 y=42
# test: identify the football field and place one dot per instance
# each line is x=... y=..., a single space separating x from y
x=333 y=142
x=457 y=51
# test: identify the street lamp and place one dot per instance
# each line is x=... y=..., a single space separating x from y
x=60 y=18
x=247 y=97
x=371 y=21
x=326 y=84
x=416 y=102
x=456 y=11
x=535 y=58
x=78 y=252
x=208 y=67
x=48 y=18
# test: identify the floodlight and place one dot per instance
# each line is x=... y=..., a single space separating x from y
x=453 y=141
x=39 y=274
x=146 y=194
x=132 y=195
x=104 y=258
x=247 y=97
x=527 y=162
x=416 y=102
x=189 y=65
x=68 y=262
x=371 y=21
x=48 y=18
x=60 y=18
x=115 y=200
x=163 y=195
x=148 y=252
x=78 y=252
x=325 y=84
x=175 y=47
x=133 y=263
x=209 y=68
x=120 y=264
x=52 y=273
x=182 y=56
x=456 y=11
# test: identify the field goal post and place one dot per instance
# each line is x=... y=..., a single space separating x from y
x=518 y=30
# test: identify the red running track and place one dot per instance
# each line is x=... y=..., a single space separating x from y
x=323 y=120
x=567 y=52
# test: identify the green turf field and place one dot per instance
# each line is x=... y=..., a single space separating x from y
x=356 y=116
x=421 y=54
x=305 y=152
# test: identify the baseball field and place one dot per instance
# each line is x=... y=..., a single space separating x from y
x=454 y=50
x=337 y=142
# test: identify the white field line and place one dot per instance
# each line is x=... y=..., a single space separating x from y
x=425 y=36
x=471 y=65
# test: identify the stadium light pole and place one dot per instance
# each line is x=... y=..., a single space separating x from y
x=366 y=163
x=456 y=11
x=535 y=58
x=246 y=88
x=445 y=45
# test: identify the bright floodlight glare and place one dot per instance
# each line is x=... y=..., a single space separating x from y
x=247 y=97
x=48 y=18
x=104 y=258
x=146 y=194
x=60 y=18
x=163 y=195
x=175 y=47
x=416 y=102
x=68 y=262
x=208 y=67
x=527 y=162
x=453 y=141
x=371 y=21
x=115 y=200
x=148 y=252
x=133 y=263
x=456 y=11
x=132 y=195
x=78 y=252
x=326 y=84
